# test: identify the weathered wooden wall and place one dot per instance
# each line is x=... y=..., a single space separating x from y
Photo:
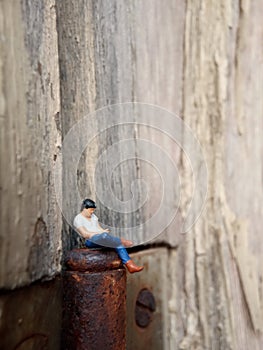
x=198 y=59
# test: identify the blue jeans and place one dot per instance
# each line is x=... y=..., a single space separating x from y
x=105 y=240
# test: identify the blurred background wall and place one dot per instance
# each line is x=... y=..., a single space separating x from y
x=202 y=61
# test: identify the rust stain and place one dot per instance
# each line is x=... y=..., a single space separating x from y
x=76 y=277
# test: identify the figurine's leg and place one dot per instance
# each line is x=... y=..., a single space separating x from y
x=90 y=244
x=126 y=260
x=123 y=254
x=106 y=240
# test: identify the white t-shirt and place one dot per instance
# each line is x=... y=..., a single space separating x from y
x=91 y=225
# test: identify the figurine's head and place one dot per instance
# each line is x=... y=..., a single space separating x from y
x=88 y=204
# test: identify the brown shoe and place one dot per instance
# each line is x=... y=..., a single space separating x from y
x=131 y=267
x=126 y=242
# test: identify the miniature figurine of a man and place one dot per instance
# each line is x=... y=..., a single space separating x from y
x=87 y=224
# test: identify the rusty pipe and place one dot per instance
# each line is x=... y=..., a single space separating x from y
x=94 y=301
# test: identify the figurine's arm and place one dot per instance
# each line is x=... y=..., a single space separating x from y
x=103 y=229
x=84 y=232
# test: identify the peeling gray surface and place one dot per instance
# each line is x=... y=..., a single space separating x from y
x=33 y=18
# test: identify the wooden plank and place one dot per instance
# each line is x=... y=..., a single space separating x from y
x=112 y=54
x=30 y=139
x=222 y=279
